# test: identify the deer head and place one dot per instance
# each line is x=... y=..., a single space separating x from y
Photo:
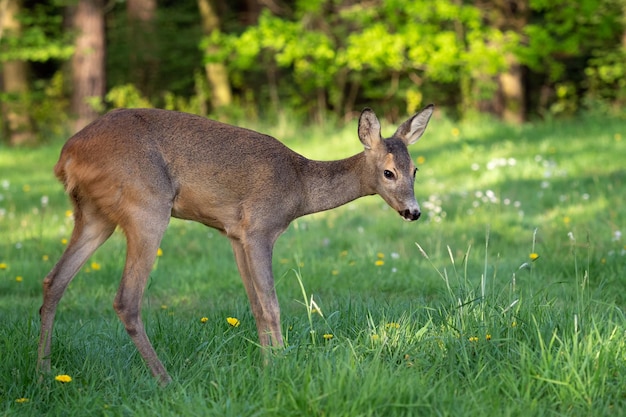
x=391 y=162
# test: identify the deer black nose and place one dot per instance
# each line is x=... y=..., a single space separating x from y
x=410 y=215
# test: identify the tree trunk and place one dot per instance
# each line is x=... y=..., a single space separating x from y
x=141 y=38
x=511 y=90
x=88 y=61
x=15 y=109
x=217 y=74
x=508 y=15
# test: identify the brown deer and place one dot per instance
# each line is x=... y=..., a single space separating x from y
x=135 y=168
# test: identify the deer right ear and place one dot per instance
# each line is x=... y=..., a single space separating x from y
x=369 y=129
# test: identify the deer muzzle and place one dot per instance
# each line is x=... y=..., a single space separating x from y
x=410 y=215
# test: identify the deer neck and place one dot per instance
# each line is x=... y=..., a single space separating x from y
x=329 y=184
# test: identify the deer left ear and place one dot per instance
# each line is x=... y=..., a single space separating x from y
x=369 y=129
x=411 y=130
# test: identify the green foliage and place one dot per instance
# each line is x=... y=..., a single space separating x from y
x=468 y=323
x=323 y=48
x=41 y=38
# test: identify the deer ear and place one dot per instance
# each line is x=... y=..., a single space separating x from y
x=369 y=129
x=411 y=130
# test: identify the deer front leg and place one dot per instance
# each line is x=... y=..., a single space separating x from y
x=254 y=260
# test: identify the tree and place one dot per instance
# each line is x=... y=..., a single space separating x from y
x=15 y=103
x=143 y=58
x=88 y=61
x=216 y=72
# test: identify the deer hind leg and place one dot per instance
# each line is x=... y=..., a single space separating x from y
x=254 y=260
x=91 y=229
x=144 y=229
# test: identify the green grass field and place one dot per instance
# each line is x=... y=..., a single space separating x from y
x=506 y=299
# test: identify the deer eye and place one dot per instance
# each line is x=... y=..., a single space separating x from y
x=388 y=174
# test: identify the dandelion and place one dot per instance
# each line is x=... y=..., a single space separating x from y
x=63 y=241
x=164 y=307
x=19 y=278
x=380 y=255
x=566 y=220
x=328 y=336
x=488 y=336
x=26 y=188
x=392 y=325
x=159 y=252
x=233 y=321
x=45 y=258
x=420 y=160
x=533 y=256
x=95 y=266
x=204 y=320
x=63 y=378
x=379 y=262
x=473 y=339
x=334 y=272
x=375 y=337
x=514 y=324
x=455 y=132
x=3 y=265
x=69 y=213
x=21 y=400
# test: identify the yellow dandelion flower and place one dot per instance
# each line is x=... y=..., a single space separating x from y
x=617 y=137
x=392 y=325
x=514 y=324
x=63 y=378
x=233 y=321
x=19 y=278
x=95 y=266
x=21 y=400
x=334 y=272
x=375 y=337
x=379 y=262
x=63 y=241
x=533 y=256
x=204 y=320
x=163 y=306
x=380 y=255
x=26 y=188
x=567 y=220
x=159 y=252
x=473 y=339
x=3 y=265
x=488 y=337
x=45 y=258
x=455 y=132
x=69 y=213
x=420 y=160
x=328 y=336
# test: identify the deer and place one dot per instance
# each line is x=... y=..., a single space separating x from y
x=136 y=168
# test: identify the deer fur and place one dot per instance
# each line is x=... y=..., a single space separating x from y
x=136 y=168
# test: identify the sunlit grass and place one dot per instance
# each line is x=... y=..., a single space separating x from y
x=505 y=298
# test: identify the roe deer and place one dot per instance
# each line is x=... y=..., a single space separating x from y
x=135 y=168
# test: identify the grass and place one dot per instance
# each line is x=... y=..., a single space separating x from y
x=447 y=316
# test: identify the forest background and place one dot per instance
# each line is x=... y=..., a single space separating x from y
x=64 y=62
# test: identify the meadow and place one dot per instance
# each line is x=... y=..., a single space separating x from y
x=507 y=298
